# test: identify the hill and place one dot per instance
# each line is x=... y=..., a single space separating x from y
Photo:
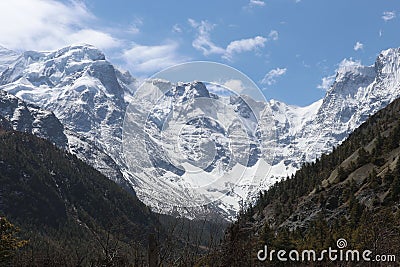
x=353 y=194
x=70 y=213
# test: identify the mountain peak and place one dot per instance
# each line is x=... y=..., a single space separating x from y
x=79 y=52
x=4 y=50
x=187 y=90
x=388 y=61
x=389 y=52
x=352 y=70
x=7 y=56
x=88 y=95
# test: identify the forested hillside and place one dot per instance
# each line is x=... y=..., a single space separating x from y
x=352 y=193
x=69 y=212
x=55 y=210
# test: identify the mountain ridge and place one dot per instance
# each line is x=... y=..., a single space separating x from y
x=70 y=212
x=90 y=98
x=352 y=193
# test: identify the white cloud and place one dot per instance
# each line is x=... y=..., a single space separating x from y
x=147 y=59
x=134 y=28
x=203 y=42
x=235 y=85
x=176 y=28
x=358 y=46
x=274 y=35
x=259 y=3
x=346 y=64
x=272 y=75
x=244 y=45
x=388 y=15
x=99 y=39
x=49 y=24
x=225 y=87
x=326 y=82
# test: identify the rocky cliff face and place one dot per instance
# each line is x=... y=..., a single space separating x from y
x=29 y=118
x=90 y=97
x=357 y=92
x=84 y=91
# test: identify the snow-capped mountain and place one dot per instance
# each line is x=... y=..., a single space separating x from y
x=189 y=147
x=84 y=91
x=7 y=57
x=5 y=124
x=29 y=118
x=357 y=92
x=90 y=97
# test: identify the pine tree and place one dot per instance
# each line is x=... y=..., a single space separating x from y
x=395 y=189
x=356 y=210
x=363 y=157
x=395 y=186
x=9 y=242
x=341 y=174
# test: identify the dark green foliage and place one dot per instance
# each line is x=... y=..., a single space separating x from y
x=395 y=189
x=302 y=212
x=395 y=186
x=9 y=240
x=68 y=210
x=73 y=215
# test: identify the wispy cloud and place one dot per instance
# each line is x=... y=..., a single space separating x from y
x=176 y=28
x=274 y=35
x=256 y=3
x=326 y=82
x=149 y=59
x=49 y=24
x=344 y=66
x=388 y=15
x=203 y=42
x=235 y=85
x=347 y=64
x=244 y=45
x=226 y=86
x=134 y=28
x=358 y=46
x=46 y=25
x=271 y=77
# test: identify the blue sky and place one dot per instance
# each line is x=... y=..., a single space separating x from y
x=288 y=47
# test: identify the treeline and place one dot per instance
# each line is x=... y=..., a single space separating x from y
x=352 y=193
x=69 y=214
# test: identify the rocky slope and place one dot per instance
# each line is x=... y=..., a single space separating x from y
x=357 y=93
x=29 y=118
x=90 y=98
x=352 y=193
x=85 y=92
x=70 y=212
